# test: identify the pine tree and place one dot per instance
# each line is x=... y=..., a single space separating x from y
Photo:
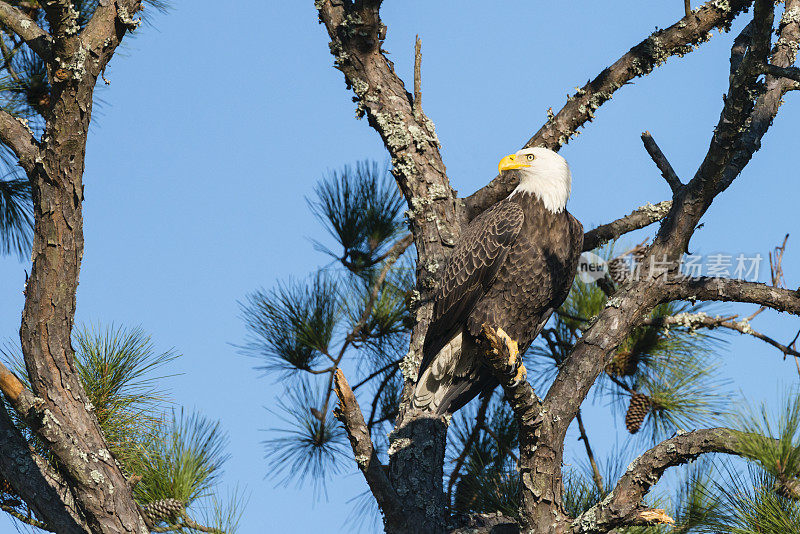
x=364 y=315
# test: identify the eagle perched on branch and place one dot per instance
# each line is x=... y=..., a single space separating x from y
x=512 y=267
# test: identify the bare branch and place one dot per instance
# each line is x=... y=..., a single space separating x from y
x=356 y=33
x=107 y=27
x=16 y=135
x=349 y=413
x=623 y=506
x=661 y=162
x=679 y=39
x=730 y=290
x=637 y=219
x=693 y=321
x=687 y=7
x=24 y=26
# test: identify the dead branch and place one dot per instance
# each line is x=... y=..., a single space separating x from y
x=637 y=219
x=598 y=478
x=622 y=506
x=793 y=73
x=662 y=163
x=349 y=413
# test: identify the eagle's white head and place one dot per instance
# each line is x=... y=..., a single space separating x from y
x=543 y=173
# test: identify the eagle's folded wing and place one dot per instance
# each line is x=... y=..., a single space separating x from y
x=469 y=271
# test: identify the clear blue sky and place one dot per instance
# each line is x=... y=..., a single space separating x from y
x=221 y=117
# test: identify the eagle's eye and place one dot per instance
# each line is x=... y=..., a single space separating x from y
x=529 y=157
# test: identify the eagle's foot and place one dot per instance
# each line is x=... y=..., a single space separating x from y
x=502 y=343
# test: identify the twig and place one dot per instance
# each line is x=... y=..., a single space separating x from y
x=598 y=478
x=775 y=271
x=377 y=397
x=661 y=162
x=187 y=522
x=473 y=435
x=687 y=7
x=418 y=80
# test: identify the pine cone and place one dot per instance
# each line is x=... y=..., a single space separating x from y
x=637 y=410
x=624 y=363
x=164 y=509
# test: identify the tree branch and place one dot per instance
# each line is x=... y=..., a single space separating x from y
x=662 y=163
x=637 y=219
x=731 y=146
x=32 y=477
x=793 y=73
x=679 y=39
x=506 y=363
x=107 y=27
x=18 y=22
x=623 y=506
x=693 y=321
x=16 y=135
x=349 y=413
x=730 y=290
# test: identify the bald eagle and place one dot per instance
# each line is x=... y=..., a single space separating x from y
x=511 y=268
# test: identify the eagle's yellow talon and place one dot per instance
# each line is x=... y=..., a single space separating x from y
x=521 y=375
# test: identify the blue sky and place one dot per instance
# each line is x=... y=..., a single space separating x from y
x=220 y=119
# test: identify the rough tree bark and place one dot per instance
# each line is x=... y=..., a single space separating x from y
x=94 y=496
x=437 y=215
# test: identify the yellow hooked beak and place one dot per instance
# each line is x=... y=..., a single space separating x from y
x=511 y=162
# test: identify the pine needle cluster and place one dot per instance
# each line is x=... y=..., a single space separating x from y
x=354 y=312
x=173 y=460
